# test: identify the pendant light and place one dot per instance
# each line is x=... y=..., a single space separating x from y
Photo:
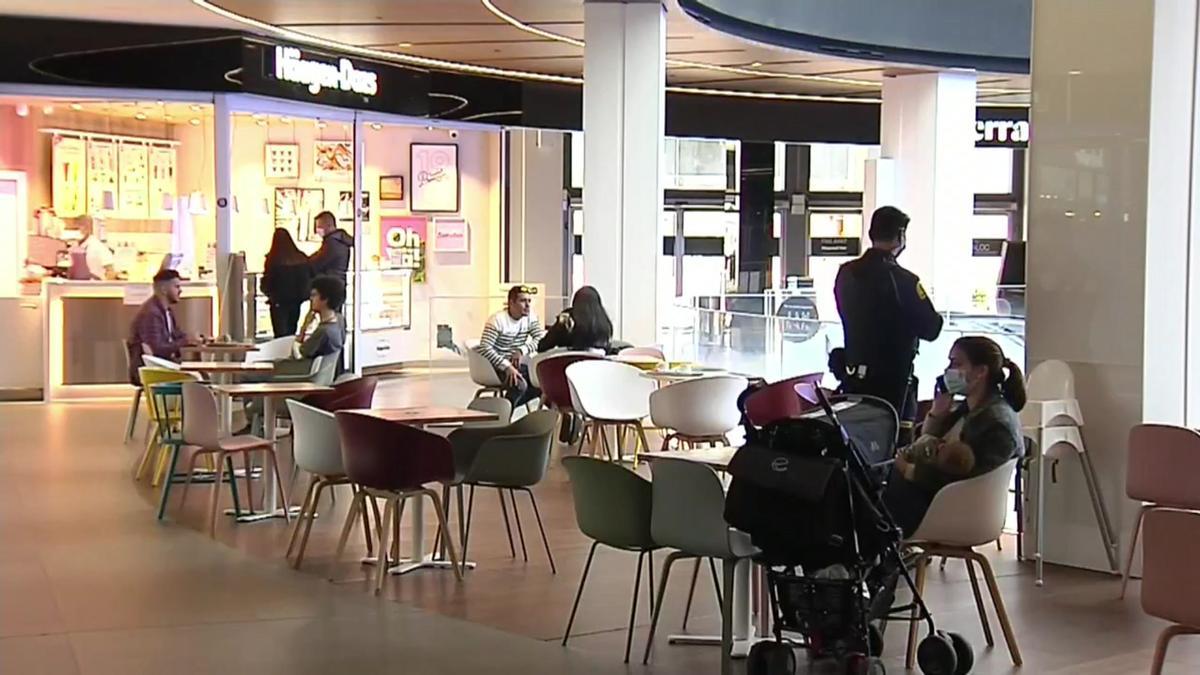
x=197 y=204
x=110 y=200
x=168 y=202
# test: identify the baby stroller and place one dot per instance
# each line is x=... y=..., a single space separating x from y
x=808 y=490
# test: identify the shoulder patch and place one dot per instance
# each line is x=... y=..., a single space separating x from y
x=921 y=291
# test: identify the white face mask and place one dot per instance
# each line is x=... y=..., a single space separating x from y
x=956 y=381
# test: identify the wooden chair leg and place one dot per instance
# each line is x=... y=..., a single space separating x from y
x=911 y=656
x=308 y=504
x=191 y=471
x=283 y=491
x=1164 y=639
x=389 y=509
x=215 y=500
x=440 y=512
x=148 y=452
x=983 y=617
x=357 y=504
x=366 y=523
x=308 y=523
x=1137 y=530
x=1001 y=613
x=131 y=421
x=248 y=466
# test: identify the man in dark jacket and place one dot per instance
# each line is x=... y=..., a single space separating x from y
x=333 y=257
x=885 y=313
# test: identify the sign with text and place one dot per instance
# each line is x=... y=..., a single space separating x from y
x=402 y=242
x=835 y=247
x=434 y=171
x=987 y=248
x=1001 y=133
x=451 y=235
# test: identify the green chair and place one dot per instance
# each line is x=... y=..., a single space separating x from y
x=612 y=505
x=166 y=403
x=510 y=458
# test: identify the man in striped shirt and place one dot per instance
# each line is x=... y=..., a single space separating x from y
x=507 y=336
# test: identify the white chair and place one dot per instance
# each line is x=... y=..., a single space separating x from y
x=1053 y=419
x=272 y=350
x=159 y=362
x=611 y=394
x=964 y=515
x=698 y=411
x=483 y=373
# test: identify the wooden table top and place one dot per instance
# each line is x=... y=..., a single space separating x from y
x=222 y=347
x=718 y=457
x=270 y=388
x=227 y=366
x=427 y=414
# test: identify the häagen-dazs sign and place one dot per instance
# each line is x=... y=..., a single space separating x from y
x=292 y=66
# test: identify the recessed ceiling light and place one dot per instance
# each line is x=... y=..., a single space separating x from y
x=376 y=126
x=285 y=119
x=160 y=102
x=1074 y=72
x=48 y=110
x=321 y=124
x=756 y=64
x=76 y=106
x=429 y=128
x=194 y=122
x=258 y=116
x=404 y=45
x=261 y=123
x=194 y=107
x=140 y=116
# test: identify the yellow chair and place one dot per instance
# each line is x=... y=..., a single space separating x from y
x=155 y=452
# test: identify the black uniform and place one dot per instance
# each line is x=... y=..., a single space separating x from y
x=885 y=313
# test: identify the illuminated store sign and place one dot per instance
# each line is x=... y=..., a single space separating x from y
x=291 y=66
x=1002 y=133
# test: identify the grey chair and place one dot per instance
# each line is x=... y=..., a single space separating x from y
x=512 y=459
x=688 y=516
x=612 y=506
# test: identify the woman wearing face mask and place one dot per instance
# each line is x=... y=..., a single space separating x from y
x=961 y=438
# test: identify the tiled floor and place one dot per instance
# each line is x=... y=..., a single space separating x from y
x=90 y=583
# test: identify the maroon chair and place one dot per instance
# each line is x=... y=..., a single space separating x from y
x=552 y=375
x=349 y=395
x=392 y=461
x=779 y=400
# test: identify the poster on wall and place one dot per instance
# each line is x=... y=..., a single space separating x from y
x=162 y=182
x=68 y=184
x=434 y=171
x=333 y=161
x=391 y=188
x=345 y=205
x=295 y=209
x=402 y=240
x=134 y=183
x=101 y=176
x=281 y=160
x=451 y=235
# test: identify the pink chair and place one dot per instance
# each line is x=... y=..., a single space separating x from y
x=1162 y=467
x=1170 y=559
x=653 y=352
x=779 y=400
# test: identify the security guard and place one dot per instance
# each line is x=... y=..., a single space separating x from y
x=885 y=313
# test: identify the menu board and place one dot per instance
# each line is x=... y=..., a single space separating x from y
x=134 y=183
x=101 y=174
x=68 y=182
x=163 y=189
x=402 y=241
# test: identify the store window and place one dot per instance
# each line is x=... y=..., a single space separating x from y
x=993 y=171
x=823 y=269
x=839 y=167
x=694 y=164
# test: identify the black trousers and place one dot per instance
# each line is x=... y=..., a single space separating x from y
x=285 y=318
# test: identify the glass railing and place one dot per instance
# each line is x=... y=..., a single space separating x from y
x=451 y=321
x=778 y=339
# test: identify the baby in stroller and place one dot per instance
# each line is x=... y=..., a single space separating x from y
x=809 y=492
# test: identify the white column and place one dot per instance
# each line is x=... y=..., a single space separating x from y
x=222 y=150
x=360 y=155
x=623 y=113
x=928 y=130
x=1113 y=251
x=538 y=241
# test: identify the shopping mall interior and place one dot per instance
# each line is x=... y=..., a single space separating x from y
x=293 y=283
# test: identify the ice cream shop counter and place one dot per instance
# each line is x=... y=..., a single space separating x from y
x=85 y=325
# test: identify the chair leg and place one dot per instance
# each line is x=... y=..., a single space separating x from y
x=587 y=567
x=375 y=516
x=712 y=571
x=151 y=439
x=304 y=509
x=537 y=514
x=662 y=595
x=131 y=421
x=381 y=570
x=462 y=521
x=512 y=549
x=357 y=504
x=248 y=466
x=922 y=568
x=215 y=500
x=650 y=586
x=283 y=491
x=191 y=471
x=730 y=567
x=520 y=530
x=470 y=512
x=440 y=512
x=687 y=608
x=1001 y=613
x=233 y=491
x=1164 y=639
x=637 y=589
x=162 y=455
x=1137 y=530
x=395 y=546
x=983 y=617
x=641 y=432
x=166 y=488
x=308 y=523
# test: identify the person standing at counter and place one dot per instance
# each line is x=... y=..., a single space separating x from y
x=154 y=330
x=333 y=258
x=287 y=278
x=90 y=258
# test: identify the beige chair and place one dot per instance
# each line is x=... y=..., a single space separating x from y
x=1169 y=588
x=611 y=395
x=482 y=372
x=316 y=449
x=696 y=411
x=964 y=515
x=201 y=436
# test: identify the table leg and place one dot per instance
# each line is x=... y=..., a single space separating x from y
x=272 y=508
x=744 y=633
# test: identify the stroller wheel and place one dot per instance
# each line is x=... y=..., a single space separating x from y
x=936 y=655
x=771 y=658
x=962 y=650
x=861 y=664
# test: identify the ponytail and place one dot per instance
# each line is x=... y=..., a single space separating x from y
x=982 y=351
x=1013 y=386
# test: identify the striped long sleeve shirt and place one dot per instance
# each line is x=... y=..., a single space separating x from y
x=503 y=335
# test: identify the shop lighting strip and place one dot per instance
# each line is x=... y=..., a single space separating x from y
x=111 y=137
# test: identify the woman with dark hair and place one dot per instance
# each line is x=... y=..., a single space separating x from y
x=582 y=326
x=971 y=429
x=286 y=278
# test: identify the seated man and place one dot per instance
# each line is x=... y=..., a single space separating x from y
x=323 y=332
x=154 y=330
x=507 y=336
